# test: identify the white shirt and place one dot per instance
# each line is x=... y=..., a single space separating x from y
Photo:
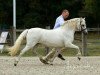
x=59 y=22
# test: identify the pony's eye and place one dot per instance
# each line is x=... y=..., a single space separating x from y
x=82 y=25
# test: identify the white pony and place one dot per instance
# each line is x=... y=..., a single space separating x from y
x=57 y=38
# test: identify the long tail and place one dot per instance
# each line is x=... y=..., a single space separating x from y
x=14 y=49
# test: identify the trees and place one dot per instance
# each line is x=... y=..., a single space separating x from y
x=38 y=13
x=92 y=12
x=41 y=13
x=6 y=13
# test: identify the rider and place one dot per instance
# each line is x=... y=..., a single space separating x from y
x=59 y=21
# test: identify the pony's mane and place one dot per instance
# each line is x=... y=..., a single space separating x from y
x=68 y=21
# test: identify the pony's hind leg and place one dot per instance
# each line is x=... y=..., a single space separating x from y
x=27 y=47
x=51 y=56
x=58 y=50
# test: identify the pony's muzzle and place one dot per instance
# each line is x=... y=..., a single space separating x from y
x=85 y=31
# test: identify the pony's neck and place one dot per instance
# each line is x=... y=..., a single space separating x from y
x=70 y=25
x=69 y=28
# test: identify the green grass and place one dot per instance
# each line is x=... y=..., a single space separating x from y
x=93 y=50
x=93 y=47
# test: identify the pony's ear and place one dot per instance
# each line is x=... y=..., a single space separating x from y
x=84 y=18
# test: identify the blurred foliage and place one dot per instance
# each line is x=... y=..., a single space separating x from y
x=42 y=13
x=6 y=13
x=92 y=12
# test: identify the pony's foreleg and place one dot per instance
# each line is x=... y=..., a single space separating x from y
x=76 y=47
x=21 y=53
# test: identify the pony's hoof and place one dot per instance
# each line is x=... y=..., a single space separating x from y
x=51 y=64
x=79 y=58
x=15 y=64
x=43 y=61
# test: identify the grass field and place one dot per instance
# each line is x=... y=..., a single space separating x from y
x=93 y=47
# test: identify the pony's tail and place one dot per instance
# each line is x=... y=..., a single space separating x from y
x=14 y=49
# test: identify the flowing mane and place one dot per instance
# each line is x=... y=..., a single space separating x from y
x=70 y=23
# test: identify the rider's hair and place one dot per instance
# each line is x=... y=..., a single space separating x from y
x=65 y=10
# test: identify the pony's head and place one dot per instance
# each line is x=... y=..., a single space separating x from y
x=81 y=25
x=76 y=24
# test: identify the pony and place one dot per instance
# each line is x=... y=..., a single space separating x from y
x=61 y=37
